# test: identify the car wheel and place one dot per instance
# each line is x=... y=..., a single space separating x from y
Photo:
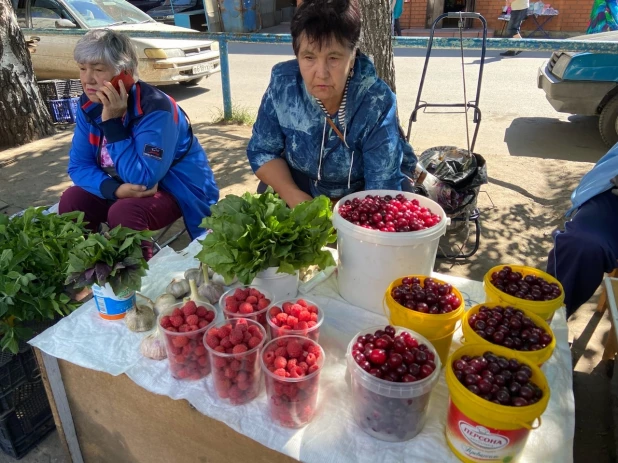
x=191 y=83
x=608 y=122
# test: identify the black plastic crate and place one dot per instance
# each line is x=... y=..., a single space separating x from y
x=58 y=89
x=21 y=368
x=31 y=420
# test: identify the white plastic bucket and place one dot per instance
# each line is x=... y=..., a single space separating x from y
x=281 y=285
x=370 y=260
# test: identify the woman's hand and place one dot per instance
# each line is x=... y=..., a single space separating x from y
x=129 y=190
x=114 y=103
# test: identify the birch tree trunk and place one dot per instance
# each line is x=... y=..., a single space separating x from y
x=23 y=115
x=376 y=38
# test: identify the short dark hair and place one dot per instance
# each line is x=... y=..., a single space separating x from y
x=322 y=20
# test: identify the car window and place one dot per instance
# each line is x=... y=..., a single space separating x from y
x=19 y=6
x=45 y=13
x=99 y=13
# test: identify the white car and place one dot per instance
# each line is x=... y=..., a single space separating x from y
x=161 y=60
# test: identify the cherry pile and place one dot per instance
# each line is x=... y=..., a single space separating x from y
x=528 y=287
x=297 y=317
x=509 y=327
x=429 y=297
x=234 y=357
x=396 y=358
x=246 y=302
x=183 y=330
x=292 y=390
x=498 y=379
x=388 y=214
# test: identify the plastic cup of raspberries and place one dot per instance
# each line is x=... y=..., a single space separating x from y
x=292 y=366
x=183 y=327
x=393 y=371
x=295 y=317
x=250 y=302
x=233 y=346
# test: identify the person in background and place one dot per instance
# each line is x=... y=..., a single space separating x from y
x=327 y=124
x=588 y=246
x=397 y=10
x=134 y=160
x=603 y=17
x=519 y=13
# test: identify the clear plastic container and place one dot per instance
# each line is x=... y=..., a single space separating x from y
x=390 y=411
x=312 y=333
x=259 y=315
x=291 y=401
x=186 y=354
x=237 y=377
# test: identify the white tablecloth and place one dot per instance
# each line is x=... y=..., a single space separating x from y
x=86 y=340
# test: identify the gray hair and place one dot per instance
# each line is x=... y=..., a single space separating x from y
x=109 y=47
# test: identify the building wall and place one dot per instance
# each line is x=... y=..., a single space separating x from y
x=574 y=15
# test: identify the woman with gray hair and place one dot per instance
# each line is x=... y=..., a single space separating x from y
x=134 y=160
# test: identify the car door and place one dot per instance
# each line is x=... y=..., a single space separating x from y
x=54 y=53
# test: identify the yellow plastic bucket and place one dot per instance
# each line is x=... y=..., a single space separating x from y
x=544 y=309
x=537 y=357
x=437 y=328
x=481 y=431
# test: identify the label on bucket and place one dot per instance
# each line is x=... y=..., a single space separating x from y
x=476 y=442
x=111 y=304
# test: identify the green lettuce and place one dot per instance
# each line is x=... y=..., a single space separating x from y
x=254 y=232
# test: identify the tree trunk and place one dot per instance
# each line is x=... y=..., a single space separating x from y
x=376 y=38
x=23 y=115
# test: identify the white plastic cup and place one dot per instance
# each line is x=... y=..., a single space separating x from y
x=312 y=333
x=281 y=285
x=370 y=260
x=259 y=316
x=393 y=412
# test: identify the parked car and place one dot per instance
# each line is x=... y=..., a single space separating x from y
x=161 y=60
x=586 y=84
x=165 y=12
x=146 y=5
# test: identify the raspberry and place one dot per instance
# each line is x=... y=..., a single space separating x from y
x=254 y=342
x=183 y=328
x=189 y=308
x=313 y=349
x=280 y=372
x=226 y=342
x=239 y=349
x=180 y=341
x=296 y=372
x=292 y=321
x=245 y=308
x=199 y=351
x=235 y=392
x=202 y=324
x=241 y=294
x=314 y=317
x=243 y=377
x=246 y=337
x=220 y=349
x=186 y=350
x=255 y=331
x=176 y=321
x=302 y=303
x=303 y=366
x=213 y=332
x=311 y=324
x=210 y=316
x=311 y=359
x=304 y=316
x=294 y=349
x=202 y=361
x=280 y=362
x=175 y=350
x=220 y=362
x=212 y=341
x=242 y=324
x=263 y=303
x=224 y=331
x=302 y=326
x=172 y=329
x=235 y=365
x=165 y=322
x=255 y=293
x=281 y=352
x=269 y=357
x=291 y=364
x=193 y=328
x=313 y=368
x=182 y=374
x=274 y=311
x=282 y=318
x=252 y=300
x=236 y=336
x=201 y=311
x=192 y=320
x=180 y=359
x=229 y=373
x=295 y=310
x=177 y=313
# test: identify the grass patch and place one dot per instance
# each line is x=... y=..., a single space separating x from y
x=241 y=115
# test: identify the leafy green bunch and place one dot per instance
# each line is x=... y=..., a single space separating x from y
x=114 y=257
x=34 y=256
x=254 y=232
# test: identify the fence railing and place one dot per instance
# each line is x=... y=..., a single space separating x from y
x=537 y=45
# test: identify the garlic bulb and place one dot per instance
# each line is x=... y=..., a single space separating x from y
x=219 y=280
x=195 y=274
x=153 y=346
x=163 y=302
x=208 y=290
x=178 y=288
x=140 y=318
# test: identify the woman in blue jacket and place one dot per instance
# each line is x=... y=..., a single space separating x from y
x=588 y=246
x=134 y=160
x=327 y=124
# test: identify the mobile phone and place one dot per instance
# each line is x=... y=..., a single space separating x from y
x=127 y=80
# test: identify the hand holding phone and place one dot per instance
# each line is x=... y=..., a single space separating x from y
x=114 y=96
x=127 y=80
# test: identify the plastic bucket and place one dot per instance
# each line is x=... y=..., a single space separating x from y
x=369 y=260
x=537 y=357
x=112 y=306
x=280 y=285
x=544 y=309
x=481 y=431
x=389 y=411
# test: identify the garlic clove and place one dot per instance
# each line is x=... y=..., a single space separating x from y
x=163 y=302
x=140 y=318
x=153 y=346
x=195 y=274
x=178 y=288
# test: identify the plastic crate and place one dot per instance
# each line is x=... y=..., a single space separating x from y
x=58 y=89
x=21 y=368
x=63 y=111
x=31 y=420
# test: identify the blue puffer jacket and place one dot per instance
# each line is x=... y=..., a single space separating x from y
x=597 y=181
x=292 y=125
x=152 y=144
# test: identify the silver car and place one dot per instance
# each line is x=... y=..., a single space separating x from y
x=161 y=60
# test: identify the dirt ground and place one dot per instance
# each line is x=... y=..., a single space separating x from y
x=520 y=207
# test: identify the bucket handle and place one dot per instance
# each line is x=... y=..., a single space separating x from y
x=532 y=427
